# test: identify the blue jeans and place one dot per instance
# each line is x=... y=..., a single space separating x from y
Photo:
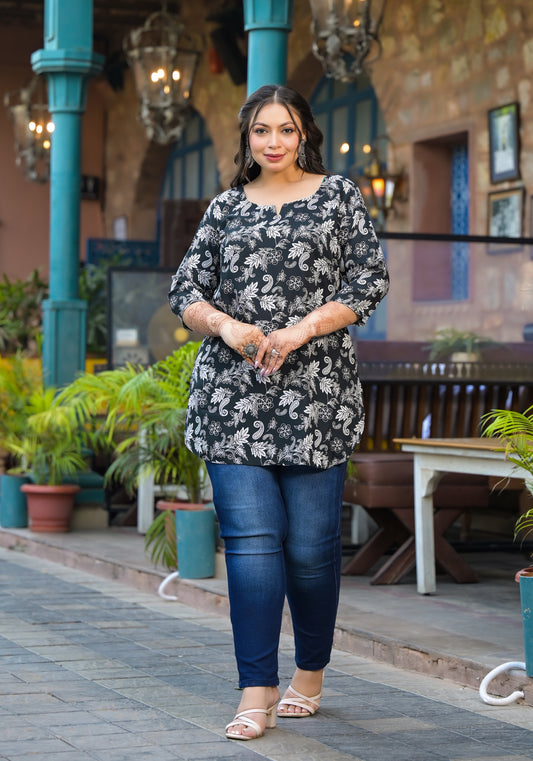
x=281 y=528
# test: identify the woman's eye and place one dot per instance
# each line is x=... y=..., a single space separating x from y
x=289 y=130
x=259 y=131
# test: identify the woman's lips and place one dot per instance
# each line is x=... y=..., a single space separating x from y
x=273 y=156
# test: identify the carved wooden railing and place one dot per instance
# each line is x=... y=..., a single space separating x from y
x=438 y=400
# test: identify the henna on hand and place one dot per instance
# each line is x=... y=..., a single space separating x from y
x=205 y=319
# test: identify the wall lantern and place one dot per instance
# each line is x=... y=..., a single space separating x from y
x=33 y=127
x=379 y=186
x=345 y=35
x=163 y=58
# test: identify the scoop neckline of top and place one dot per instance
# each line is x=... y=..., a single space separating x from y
x=286 y=203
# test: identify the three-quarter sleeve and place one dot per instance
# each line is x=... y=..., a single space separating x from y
x=363 y=267
x=198 y=274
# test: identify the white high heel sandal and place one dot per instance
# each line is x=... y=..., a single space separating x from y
x=301 y=701
x=242 y=718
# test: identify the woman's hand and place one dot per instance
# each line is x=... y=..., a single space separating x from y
x=326 y=319
x=276 y=347
x=244 y=339
x=266 y=352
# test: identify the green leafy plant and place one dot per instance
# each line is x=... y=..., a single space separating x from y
x=448 y=341
x=20 y=314
x=141 y=415
x=515 y=429
x=141 y=419
x=52 y=445
x=524 y=525
x=20 y=378
x=93 y=289
x=160 y=540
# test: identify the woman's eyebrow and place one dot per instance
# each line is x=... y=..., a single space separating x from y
x=264 y=124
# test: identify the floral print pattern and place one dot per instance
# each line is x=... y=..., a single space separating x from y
x=271 y=269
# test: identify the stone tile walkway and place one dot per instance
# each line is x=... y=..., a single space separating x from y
x=92 y=669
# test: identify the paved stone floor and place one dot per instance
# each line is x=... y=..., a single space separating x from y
x=460 y=633
x=93 y=669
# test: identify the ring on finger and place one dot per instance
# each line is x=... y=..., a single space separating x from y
x=250 y=350
x=275 y=352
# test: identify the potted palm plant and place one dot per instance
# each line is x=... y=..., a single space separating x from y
x=51 y=449
x=141 y=414
x=515 y=429
x=143 y=422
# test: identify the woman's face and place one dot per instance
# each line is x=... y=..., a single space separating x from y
x=274 y=138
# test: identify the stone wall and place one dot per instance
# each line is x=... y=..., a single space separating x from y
x=443 y=66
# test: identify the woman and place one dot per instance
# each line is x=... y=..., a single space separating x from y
x=281 y=264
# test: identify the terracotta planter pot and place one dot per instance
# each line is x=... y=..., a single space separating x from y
x=524 y=572
x=50 y=507
x=162 y=504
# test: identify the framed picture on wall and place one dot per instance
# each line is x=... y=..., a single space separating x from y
x=505 y=218
x=503 y=143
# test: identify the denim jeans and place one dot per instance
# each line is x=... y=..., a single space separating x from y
x=281 y=528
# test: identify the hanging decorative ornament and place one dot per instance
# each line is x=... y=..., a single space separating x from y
x=163 y=58
x=33 y=127
x=346 y=35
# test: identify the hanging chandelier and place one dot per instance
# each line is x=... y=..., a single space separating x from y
x=346 y=35
x=33 y=127
x=163 y=58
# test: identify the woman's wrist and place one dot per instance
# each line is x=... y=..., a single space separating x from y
x=326 y=319
x=216 y=321
x=306 y=329
x=204 y=318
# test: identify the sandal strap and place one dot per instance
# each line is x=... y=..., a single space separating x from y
x=245 y=720
x=302 y=701
x=315 y=700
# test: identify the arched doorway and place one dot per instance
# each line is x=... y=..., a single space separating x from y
x=190 y=181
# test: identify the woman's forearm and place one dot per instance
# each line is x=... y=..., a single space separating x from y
x=327 y=319
x=243 y=338
x=204 y=318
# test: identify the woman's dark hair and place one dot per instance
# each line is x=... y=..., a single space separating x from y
x=296 y=104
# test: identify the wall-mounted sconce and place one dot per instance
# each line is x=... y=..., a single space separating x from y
x=379 y=186
x=33 y=127
x=346 y=35
x=163 y=57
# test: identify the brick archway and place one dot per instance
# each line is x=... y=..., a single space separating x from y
x=147 y=190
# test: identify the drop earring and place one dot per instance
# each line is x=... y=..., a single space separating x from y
x=248 y=160
x=302 y=160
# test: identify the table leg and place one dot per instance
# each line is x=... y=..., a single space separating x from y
x=145 y=502
x=425 y=482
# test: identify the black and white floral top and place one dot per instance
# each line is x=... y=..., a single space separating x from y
x=271 y=270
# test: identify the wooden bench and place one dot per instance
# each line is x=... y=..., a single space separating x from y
x=423 y=399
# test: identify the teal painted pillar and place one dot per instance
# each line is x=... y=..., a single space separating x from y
x=68 y=61
x=268 y=23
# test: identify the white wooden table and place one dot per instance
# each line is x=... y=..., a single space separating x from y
x=432 y=459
